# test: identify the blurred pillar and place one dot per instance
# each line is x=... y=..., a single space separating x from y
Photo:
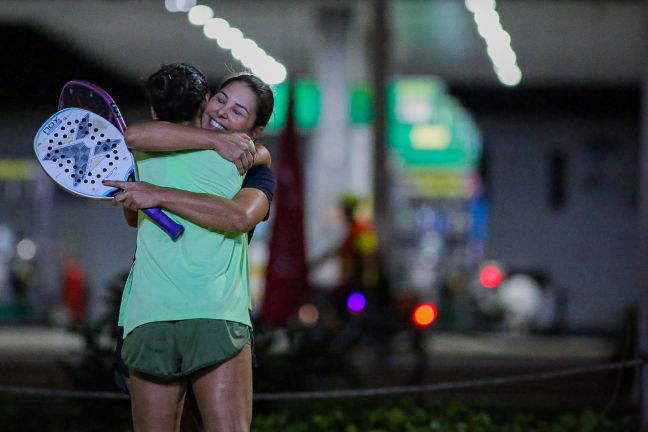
x=327 y=165
x=361 y=149
x=643 y=238
x=379 y=53
x=47 y=294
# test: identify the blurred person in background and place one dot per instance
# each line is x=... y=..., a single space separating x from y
x=356 y=254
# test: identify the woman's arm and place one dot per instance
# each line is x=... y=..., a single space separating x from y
x=262 y=156
x=240 y=214
x=166 y=136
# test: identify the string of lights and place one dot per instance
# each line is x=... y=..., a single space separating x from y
x=498 y=41
x=243 y=49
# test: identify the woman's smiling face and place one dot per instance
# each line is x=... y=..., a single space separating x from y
x=232 y=109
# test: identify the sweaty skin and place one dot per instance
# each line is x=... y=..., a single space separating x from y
x=240 y=214
x=227 y=113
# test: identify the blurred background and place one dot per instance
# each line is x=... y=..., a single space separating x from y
x=470 y=175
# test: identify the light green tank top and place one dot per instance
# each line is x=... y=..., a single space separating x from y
x=203 y=274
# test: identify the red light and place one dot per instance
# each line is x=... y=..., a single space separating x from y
x=424 y=314
x=491 y=276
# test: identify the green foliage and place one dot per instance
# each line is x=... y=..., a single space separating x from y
x=410 y=417
x=59 y=415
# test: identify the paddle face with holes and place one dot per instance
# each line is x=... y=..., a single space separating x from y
x=86 y=95
x=78 y=149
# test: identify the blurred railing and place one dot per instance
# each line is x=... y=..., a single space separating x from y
x=369 y=392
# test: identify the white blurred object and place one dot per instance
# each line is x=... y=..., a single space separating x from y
x=520 y=296
x=200 y=14
x=327 y=274
x=171 y=5
x=26 y=249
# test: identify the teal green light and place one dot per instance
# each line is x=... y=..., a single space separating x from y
x=362 y=101
x=307 y=105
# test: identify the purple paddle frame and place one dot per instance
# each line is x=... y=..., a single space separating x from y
x=107 y=108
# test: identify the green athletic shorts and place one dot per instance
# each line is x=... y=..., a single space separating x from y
x=172 y=349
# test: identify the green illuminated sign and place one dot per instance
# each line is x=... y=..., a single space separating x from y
x=361 y=110
x=307 y=105
x=426 y=127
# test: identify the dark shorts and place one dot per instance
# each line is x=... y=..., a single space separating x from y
x=173 y=349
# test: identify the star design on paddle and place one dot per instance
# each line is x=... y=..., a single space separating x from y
x=79 y=153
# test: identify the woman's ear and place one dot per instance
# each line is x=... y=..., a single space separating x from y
x=257 y=132
x=203 y=105
x=153 y=114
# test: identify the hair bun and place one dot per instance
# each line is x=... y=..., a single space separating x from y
x=176 y=91
x=179 y=84
x=160 y=86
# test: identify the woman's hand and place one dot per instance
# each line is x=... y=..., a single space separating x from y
x=236 y=147
x=135 y=195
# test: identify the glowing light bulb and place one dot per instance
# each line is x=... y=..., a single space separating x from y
x=215 y=28
x=491 y=276
x=425 y=314
x=308 y=314
x=510 y=76
x=356 y=303
x=244 y=49
x=200 y=14
x=171 y=5
x=185 y=5
x=498 y=41
x=230 y=38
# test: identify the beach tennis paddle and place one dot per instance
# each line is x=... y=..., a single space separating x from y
x=78 y=149
x=91 y=97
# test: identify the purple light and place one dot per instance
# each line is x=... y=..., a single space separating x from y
x=356 y=302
